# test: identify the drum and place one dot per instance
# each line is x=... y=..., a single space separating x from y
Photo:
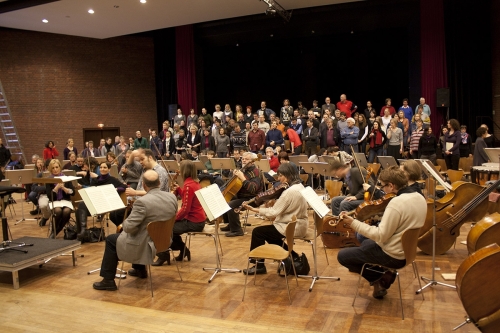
x=481 y=174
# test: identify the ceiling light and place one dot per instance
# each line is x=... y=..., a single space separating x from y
x=91 y=11
x=45 y=21
x=143 y=1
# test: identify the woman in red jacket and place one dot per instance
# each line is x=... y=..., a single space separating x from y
x=190 y=217
x=50 y=152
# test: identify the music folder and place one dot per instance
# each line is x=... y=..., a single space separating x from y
x=212 y=201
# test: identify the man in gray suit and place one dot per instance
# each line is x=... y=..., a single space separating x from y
x=134 y=244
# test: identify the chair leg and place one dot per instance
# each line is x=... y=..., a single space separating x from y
x=150 y=280
x=359 y=281
x=294 y=271
x=120 y=280
x=176 y=264
x=286 y=279
x=246 y=278
x=326 y=255
x=415 y=268
x=400 y=297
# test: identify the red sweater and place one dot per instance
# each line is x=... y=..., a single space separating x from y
x=50 y=153
x=274 y=163
x=191 y=208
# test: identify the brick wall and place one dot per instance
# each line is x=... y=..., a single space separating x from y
x=56 y=85
x=495 y=65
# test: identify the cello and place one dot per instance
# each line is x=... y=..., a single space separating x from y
x=464 y=202
x=234 y=184
x=485 y=232
x=479 y=294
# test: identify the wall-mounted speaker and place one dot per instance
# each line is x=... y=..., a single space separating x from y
x=443 y=98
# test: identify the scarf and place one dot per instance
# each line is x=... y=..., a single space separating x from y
x=59 y=196
x=377 y=139
x=464 y=136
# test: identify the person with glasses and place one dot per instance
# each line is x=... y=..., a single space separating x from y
x=406 y=211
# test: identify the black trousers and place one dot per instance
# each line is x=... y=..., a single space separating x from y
x=233 y=218
x=110 y=259
x=117 y=216
x=452 y=161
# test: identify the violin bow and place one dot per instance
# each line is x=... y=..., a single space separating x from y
x=172 y=181
x=357 y=164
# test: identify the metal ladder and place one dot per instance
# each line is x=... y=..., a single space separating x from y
x=10 y=137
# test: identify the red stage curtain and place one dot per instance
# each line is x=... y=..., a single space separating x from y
x=185 y=68
x=433 y=57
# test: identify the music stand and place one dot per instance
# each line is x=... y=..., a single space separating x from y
x=170 y=165
x=100 y=159
x=24 y=176
x=387 y=161
x=29 y=166
x=313 y=168
x=4 y=191
x=297 y=159
x=427 y=164
x=199 y=165
x=361 y=158
x=223 y=163
x=203 y=158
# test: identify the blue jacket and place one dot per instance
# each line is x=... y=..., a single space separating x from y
x=350 y=139
x=274 y=135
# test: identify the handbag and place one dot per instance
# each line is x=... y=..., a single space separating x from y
x=301 y=266
x=70 y=232
x=93 y=235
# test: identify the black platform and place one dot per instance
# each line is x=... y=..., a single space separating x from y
x=42 y=250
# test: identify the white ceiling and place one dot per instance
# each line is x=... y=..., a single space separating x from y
x=71 y=17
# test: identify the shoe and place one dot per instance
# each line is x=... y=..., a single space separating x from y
x=138 y=273
x=105 y=285
x=234 y=233
x=260 y=269
x=387 y=279
x=162 y=258
x=378 y=291
x=34 y=211
x=42 y=222
x=187 y=254
x=226 y=228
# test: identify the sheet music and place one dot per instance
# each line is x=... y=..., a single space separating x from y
x=449 y=145
x=315 y=202
x=213 y=201
x=101 y=199
x=68 y=178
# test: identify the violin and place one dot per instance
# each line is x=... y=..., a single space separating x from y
x=262 y=197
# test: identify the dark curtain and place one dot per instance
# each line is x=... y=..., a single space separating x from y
x=432 y=57
x=468 y=43
x=166 y=88
x=185 y=65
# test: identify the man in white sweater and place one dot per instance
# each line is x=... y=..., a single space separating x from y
x=406 y=211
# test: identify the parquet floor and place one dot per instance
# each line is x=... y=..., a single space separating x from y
x=59 y=297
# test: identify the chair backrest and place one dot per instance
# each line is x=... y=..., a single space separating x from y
x=114 y=171
x=333 y=187
x=375 y=167
x=442 y=164
x=304 y=177
x=455 y=175
x=465 y=163
x=290 y=233
x=161 y=233
x=409 y=240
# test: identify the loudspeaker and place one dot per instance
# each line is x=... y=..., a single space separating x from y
x=172 y=111
x=443 y=98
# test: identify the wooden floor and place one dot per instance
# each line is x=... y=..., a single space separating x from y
x=59 y=297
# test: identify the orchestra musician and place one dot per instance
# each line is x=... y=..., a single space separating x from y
x=354 y=181
x=134 y=244
x=95 y=180
x=252 y=185
x=406 y=211
x=290 y=203
x=148 y=162
x=191 y=216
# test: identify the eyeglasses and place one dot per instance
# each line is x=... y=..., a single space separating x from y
x=383 y=185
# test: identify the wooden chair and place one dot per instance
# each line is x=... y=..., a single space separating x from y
x=304 y=177
x=208 y=231
x=277 y=253
x=455 y=175
x=161 y=235
x=465 y=164
x=442 y=164
x=409 y=241
x=375 y=167
x=333 y=188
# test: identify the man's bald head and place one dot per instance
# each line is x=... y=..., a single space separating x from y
x=150 y=179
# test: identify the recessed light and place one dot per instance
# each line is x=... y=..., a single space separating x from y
x=45 y=21
x=91 y=11
x=143 y=1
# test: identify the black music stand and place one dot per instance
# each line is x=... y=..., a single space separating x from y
x=313 y=168
x=4 y=191
x=23 y=176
